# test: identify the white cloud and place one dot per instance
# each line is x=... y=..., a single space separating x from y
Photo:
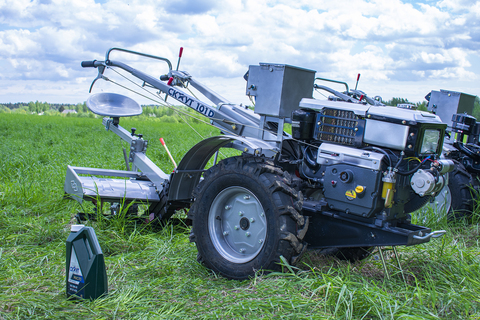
x=386 y=41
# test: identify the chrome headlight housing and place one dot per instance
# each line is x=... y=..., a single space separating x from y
x=430 y=141
x=426 y=139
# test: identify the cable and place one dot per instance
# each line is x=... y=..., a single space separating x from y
x=175 y=109
x=398 y=163
x=382 y=151
x=321 y=93
x=407 y=173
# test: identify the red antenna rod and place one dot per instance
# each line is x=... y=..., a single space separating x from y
x=358 y=78
x=179 y=57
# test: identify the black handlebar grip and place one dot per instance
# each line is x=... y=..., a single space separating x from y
x=88 y=64
x=164 y=77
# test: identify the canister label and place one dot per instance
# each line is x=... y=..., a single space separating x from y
x=75 y=281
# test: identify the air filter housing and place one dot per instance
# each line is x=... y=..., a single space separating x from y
x=339 y=126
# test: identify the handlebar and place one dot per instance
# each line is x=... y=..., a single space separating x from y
x=190 y=101
x=336 y=81
x=91 y=64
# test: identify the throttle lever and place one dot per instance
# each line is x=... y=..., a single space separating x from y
x=101 y=70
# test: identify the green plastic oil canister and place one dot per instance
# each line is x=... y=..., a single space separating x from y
x=85 y=268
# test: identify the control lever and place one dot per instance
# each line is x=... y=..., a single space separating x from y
x=101 y=70
x=136 y=135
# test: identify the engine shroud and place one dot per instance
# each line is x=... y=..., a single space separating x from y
x=358 y=125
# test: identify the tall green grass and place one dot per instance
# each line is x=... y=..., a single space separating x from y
x=154 y=274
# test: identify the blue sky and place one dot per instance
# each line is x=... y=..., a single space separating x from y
x=401 y=48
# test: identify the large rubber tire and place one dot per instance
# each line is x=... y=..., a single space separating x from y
x=245 y=217
x=352 y=254
x=460 y=184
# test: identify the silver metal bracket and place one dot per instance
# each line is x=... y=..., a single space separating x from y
x=138 y=145
x=434 y=234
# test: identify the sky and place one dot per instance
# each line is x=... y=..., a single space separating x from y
x=401 y=48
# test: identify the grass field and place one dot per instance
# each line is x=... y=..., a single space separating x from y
x=154 y=274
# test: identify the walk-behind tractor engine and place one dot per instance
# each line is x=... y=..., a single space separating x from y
x=461 y=145
x=346 y=179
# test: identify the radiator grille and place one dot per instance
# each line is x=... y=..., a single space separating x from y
x=337 y=126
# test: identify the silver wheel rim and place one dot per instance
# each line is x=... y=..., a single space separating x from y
x=443 y=201
x=237 y=224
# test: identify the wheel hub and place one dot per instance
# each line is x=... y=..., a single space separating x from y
x=244 y=223
x=237 y=240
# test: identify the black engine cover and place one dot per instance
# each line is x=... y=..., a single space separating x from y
x=353 y=190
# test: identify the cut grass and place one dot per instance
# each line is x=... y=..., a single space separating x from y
x=154 y=274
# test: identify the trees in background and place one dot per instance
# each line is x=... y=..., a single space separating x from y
x=166 y=114
x=396 y=101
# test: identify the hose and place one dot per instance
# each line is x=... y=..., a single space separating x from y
x=467 y=151
x=312 y=164
x=302 y=172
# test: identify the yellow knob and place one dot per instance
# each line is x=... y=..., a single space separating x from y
x=359 y=189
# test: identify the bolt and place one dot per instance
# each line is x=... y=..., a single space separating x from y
x=262 y=214
x=247 y=197
x=252 y=220
x=225 y=233
x=247 y=234
x=228 y=207
x=241 y=213
x=236 y=227
x=242 y=250
x=404 y=122
x=260 y=241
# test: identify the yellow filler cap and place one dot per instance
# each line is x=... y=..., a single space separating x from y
x=359 y=189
